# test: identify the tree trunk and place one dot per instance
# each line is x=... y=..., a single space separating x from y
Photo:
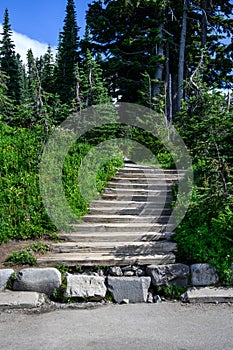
x=204 y=23
x=168 y=88
x=159 y=67
x=182 y=55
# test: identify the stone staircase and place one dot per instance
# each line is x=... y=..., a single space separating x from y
x=129 y=225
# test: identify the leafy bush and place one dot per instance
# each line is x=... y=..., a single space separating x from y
x=39 y=247
x=22 y=214
x=206 y=233
x=170 y=291
x=24 y=257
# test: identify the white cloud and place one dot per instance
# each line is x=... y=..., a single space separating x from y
x=23 y=43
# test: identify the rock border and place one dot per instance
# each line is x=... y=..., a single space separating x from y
x=127 y=284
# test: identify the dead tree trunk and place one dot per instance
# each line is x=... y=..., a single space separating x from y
x=159 y=66
x=180 y=90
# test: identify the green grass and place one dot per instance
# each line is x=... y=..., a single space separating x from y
x=22 y=213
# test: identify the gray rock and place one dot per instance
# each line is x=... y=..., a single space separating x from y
x=140 y=273
x=125 y=301
x=115 y=271
x=101 y=272
x=133 y=288
x=129 y=273
x=134 y=268
x=208 y=295
x=5 y=274
x=127 y=268
x=41 y=280
x=10 y=299
x=157 y=299
x=95 y=274
x=85 y=286
x=203 y=275
x=150 y=298
x=174 y=274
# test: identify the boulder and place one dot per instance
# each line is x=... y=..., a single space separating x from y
x=5 y=274
x=173 y=274
x=85 y=286
x=135 y=289
x=41 y=280
x=203 y=275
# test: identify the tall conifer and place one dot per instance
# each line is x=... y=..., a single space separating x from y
x=9 y=61
x=67 y=57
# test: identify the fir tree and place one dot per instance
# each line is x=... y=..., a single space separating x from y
x=90 y=76
x=9 y=61
x=35 y=94
x=67 y=57
x=96 y=92
x=47 y=71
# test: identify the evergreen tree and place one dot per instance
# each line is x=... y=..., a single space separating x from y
x=94 y=91
x=47 y=71
x=91 y=90
x=139 y=36
x=4 y=99
x=130 y=35
x=67 y=57
x=9 y=62
x=35 y=94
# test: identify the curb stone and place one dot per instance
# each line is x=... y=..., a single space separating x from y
x=10 y=299
x=208 y=295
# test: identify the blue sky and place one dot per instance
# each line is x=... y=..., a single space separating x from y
x=37 y=23
x=41 y=19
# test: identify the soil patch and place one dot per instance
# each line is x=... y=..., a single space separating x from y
x=12 y=246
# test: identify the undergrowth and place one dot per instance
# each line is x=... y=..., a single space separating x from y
x=22 y=213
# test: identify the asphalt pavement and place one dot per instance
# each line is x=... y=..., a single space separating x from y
x=162 y=326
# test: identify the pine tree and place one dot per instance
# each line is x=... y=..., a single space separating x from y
x=67 y=57
x=91 y=76
x=35 y=94
x=4 y=99
x=9 y=61
x=47 y=71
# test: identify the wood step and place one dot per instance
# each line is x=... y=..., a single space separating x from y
x=107 y=218
x=129 y=211
x=140 y=180
x=140 y=175
x=90 y=259
x=115 y=247
x=150 y=169
x=121 y=202
x=127 y=204
x=122 y=191
x=143 y=227
x=139 y=185
x=120 y=236
x=160 y=198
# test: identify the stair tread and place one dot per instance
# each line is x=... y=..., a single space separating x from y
x=88 y=259
x=137 y=190
x=112 y=244
x=113 y=216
